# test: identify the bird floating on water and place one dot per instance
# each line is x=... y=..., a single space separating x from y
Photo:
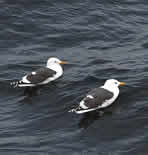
x=52 y=71
x=99 y=98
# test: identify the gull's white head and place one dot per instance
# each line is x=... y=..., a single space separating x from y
x=54 y=60
x=113 y=83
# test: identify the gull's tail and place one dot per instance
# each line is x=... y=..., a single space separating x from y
x=16 y=83
x=20 y=83
x=76 y=110
x=80 y=110
x=72 y=110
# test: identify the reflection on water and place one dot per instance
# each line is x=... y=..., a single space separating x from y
x=32 y=91
x=100 y=40
x=90 y=117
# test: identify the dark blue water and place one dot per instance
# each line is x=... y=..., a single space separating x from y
x=100 y=39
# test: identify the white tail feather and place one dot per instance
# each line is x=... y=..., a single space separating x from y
x=79 y=110
x=21 y=84
x=15 y=83
x=72 y=110
x=75 y=109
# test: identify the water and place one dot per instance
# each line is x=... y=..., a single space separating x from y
x=100 y=40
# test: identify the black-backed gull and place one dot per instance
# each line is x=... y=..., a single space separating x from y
x=99 y=98
x=52 y=71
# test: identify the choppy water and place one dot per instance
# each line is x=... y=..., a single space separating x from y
x=100 y=39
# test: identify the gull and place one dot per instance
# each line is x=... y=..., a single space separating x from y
x=99 y=98
x=52 y=71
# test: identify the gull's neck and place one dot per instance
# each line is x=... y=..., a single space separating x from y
x=111 y=88
x=55 y=66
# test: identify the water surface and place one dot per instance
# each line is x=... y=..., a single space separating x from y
x=100 y=40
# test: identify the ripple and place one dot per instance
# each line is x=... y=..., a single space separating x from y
x=100 y=40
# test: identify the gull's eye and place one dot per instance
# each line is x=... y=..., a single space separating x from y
x=116 y=83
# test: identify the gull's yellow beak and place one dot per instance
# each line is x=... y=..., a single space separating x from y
x=63 y=62
x=122 y=83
